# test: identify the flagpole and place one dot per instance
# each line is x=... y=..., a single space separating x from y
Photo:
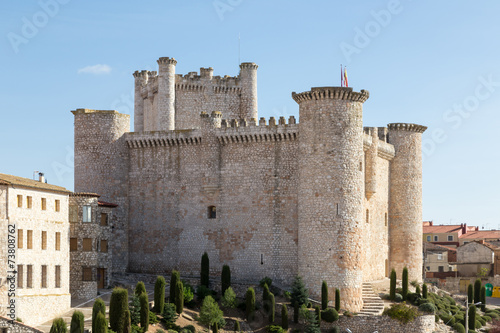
x=341 y=77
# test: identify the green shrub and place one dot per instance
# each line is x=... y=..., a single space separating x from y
x=417 y=290
x=296 y=310
x=169 y=314
x=272 y=307
x=413 y=298
x=202 y=292
x=266 y=280
x=265 y=297
x=401 y=312
x=118 y=304
x=58 y=326
x=99 y=307
x=190 y=328
x=337 y=299
x=135 y=311
x=179 y=297
x=483 y=298
x=459 y=328
x=100 y=324
x=288 y=295
x=334 y=329
x=159 y=296
x=237 y=326
x=210 y=314
x=143 y=299
x=229 y=298
x=477 y=290
x=478 y=324
x=405 y=283
x=205 y=270
x=188 y=292
x=174 y=277
x=398 y=297
x=472 y=317
x=393 y=285
x=324 y=295
x=225 y=278
x=450 y=300
x=127 y=325
x=284 y=317
x=330 y=315
x=153 y=318
x=299 y=291
x=304 y=313
x=487 y=318
x=313 y=325
x=424 y=291
x=250 y=304
x=481 y=320
x=139 y=288
x=317 y=310
x=159 y=330
x=274 y=329
x=470 y=293
x=427 y=308
x=77 y=322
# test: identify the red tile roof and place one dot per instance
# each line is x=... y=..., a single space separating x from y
x=106 y=204
x=441 y=229
x=481 y=234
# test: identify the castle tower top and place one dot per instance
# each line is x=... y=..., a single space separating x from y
x=249 y=65
x=341 y=93
x=166 y=60
x=407 y=127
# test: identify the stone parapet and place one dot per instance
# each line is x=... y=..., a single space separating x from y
x=342 y=93
x=406 y=127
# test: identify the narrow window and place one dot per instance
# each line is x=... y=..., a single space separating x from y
x=19 y=201
x=73 y=244
x=44 y=276
x=440 y=256
x=87 y=244
x=435 y=238
x=30 y=239
x=428 y=268
x=360 y=166
x=450 y=238
x=262 y=259
x=385 y=218
x=87 y=274
x=20 y=276
x=19 y=238
x=212 y=212
x=338 y=211
x=428 y=238
x=58 y=205
x=87 y=214
x=58 y=276
x=44 y=204
x=29 y=276
x=73 y=214
x=58 y=241
x=104 y=245
x=367 y=216
x=104 y=219
x=29 y=202
x=44 y=240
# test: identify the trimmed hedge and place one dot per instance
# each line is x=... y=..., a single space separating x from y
x=330 y=315
x=118 y=304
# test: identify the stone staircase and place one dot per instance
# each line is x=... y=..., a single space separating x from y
x=373 y=305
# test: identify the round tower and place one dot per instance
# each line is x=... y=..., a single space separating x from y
x=141 y=79
x=331 y=191
x=166 y=94
x=248 y=77
x=101 y=166
x=405 y=199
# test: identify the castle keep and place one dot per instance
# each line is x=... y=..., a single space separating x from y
x=324 y=198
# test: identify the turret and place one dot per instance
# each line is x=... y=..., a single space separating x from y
x=166 y=94
x=141 y=79
x=405 y=199
x=371 y=164
x=248 y=77
x=331 y=191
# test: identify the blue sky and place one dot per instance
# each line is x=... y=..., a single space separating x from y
x=426 y=62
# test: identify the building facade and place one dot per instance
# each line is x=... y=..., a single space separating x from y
x=325 y=198
x=39 y=212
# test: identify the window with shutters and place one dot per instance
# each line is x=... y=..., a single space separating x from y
x=73 y=244
x=87 y=274
x=19 y=201
x=29 y=276
x=58 y=241
x=87 y=214
x=44 y=240
x=20 y=238
x=104 y=219
x=44 y=276
x=44 y=204
x=58 y=276
x=20 y=276
x=30 y=239
x=87 y=244
x=29 y=202
x=104 y=245
x=58 y=205
x=73 y=214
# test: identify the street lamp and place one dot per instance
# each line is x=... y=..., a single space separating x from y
x=467 y=312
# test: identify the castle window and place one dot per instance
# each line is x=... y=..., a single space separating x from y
x=20 y=276
x=212 y=212
x=73 y=244
x=44 y=276
x=262 y=259
x=19 y=238
x=58 y=205
x=386 y=219
x=44 y=204
x=44 y=240
x=86 y=274
x=30 y=239
x=73 y=214
x=360 y=166
x=29 y=276
x=104 y=219
x=19 y=201
x=87 y=214
x=58 y=276
x=58 y=241
x=367 y=216
x=29 y=201
x=104 y=246
x=87 y=244
x=450 y=238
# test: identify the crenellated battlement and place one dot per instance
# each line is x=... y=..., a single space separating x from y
x=407 y=127
x=341 y=93
x=167 y=61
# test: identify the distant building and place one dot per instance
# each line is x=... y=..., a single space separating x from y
x=477 y=259
x=448 y=235
x=478 y=235
x=39 y=213
x=437 y=260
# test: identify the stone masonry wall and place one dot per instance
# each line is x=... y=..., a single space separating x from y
x=383 y=324
x=16 y=327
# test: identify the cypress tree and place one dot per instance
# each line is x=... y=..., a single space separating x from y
x=296 y=312
x=284 y=317
x=483 y=298
x=265 y=298
x=127 y=324
x=318 y=314
x=472 y=317
x=100 y=324
x=118 y=304
x=405 y=283
x=324 y=295
x=225 y=278
x=99 y=307
x=417 y=289
x=337 y=299
x=58 y=326
x=179 y=297
x=477 y=290
x=424 y=291
x=272 y=306
x=250 y=303
x=77 y=322
x=215 y=328
x=392 y=293
x=139 y=288
x=470 y=293
x=143 y=299
x=176 y=276
x=237 y=326
x=205 y=270
x=159 y=296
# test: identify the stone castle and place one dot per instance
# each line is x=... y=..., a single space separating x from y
x=325 y=198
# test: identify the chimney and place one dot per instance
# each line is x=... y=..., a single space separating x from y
x=41 y=177
x=464 y=228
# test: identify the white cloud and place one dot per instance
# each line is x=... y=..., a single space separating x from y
x=95 y=69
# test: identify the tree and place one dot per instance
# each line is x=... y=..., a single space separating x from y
x=179 y=297
x=417 y=290
x=477 y=290
x=139 y=288
x=58 y=326
x=205 y=270
x=169 y=314
x=100 y=324
x=472 y=317
x=99 y=307
x=324 y=295
x=470 y=293
x=299 y=291
x=317 y=309
x=483 y=298
x=313 y=325
x=250 y=303
x=392 y=293
x=210 y=313
x=229 y=298
x=127 y=324
x=337 y=299
x=225 y=278
x=135 y=310
x=284 y=317
x=118 y=304
x=424 y=291
x=272 y=307
x=176 y=276
x=296 y=309
x=143 y=299
x=77 y=322
x=405 y=283
x=265 y=298
x=159 y=296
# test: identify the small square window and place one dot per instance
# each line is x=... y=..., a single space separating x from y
x=19 y=201
x=73 y=244
x=87 y=244
x=87 y=214
x=104 y=219
x=212 y=212
x=86 y=274
x=440 y=256
x=450 y=238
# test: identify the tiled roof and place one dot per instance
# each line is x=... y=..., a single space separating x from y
x=30 y=183
x=481 y=234
x=106 y=204
x=432 y=246
x=441 y=229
